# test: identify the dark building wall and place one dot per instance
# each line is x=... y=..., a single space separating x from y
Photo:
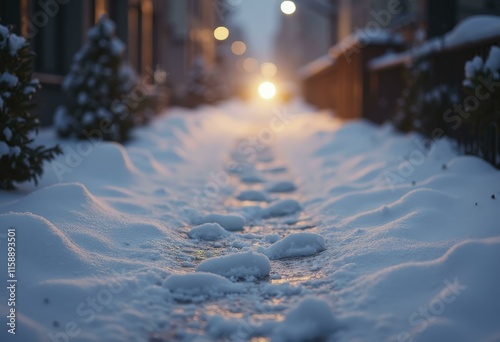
x=10 y=14
x=441 y=17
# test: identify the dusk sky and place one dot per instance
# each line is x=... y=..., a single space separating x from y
x=260 y=20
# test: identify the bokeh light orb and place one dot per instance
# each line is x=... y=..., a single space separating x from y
x=288 y=7
x=250 y=65
x=238 y=48
x=268 y=69
x=221 y=33
x=267 y=90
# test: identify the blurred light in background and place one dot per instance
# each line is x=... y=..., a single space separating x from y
x=160 y=76
x=221 y=33
x=288 y=7
x=238 y=48
x=250 y=65
x=268 y=70
x=267 y=90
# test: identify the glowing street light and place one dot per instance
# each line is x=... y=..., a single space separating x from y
x=288 y=7
x=221 y=33
x=267 y=90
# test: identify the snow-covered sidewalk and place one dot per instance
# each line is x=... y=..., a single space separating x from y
x=237 y=222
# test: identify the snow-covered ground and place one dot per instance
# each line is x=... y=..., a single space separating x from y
x=238 y=222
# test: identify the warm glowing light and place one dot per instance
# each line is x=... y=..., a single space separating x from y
x=288 y=7
x=221 y=33
x=268 y=70
x=238 y=48
x=267 y=90
x=250 y=64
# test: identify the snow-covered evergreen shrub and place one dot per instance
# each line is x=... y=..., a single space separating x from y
x=416 y=74
x=20 y=160
x=203 y=86
x=197 y=85
x=434 y=104
x=421 y=106
x=484 y=75
x=99 y=87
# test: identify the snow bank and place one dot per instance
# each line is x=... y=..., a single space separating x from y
x=282 y=186
x=229 y=222
x=208 y=232
x=311 y=320
x=296 y=245
x=445 y=293
x=282 y=208
x=238 y=265
x=412 y=259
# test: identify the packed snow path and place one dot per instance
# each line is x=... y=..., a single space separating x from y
x=243 y=222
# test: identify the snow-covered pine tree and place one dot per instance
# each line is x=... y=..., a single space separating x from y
x=484 y=75
x=20 y=160
x=99 y=85
x=197 y=85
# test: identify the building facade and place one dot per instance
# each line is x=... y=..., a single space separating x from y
x=160 y=35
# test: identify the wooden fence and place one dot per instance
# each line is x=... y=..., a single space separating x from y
x=371 y=83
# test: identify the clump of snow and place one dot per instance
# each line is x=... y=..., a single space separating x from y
x=229 y=222
x=238 y=265
x=8 y=79
x=296 y=245
x=117 y=47
x=208 y=232
x=282 y=208
x=251 y=178
x=4 y=148
x=478 y=66
x=271 y=238
x=473 y=66
x=492 y=64
x=16 y=43
x=282 y=186
x=311 y=320
x=253 y=195
x=473 y=29
x=186 y=286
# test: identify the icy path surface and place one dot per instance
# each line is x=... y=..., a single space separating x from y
x=240 y=223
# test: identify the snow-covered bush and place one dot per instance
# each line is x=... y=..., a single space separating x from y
x=20 y=160
x=203 y=86
x=417 y=74
x=434 y=103
x=197 y=84
x=422 y=104
x=99 y=87
x=484 y=75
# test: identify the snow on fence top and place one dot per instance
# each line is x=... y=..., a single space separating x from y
x=358 y=40
x=363 y=38
x=316 y=66
x=474 y=29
